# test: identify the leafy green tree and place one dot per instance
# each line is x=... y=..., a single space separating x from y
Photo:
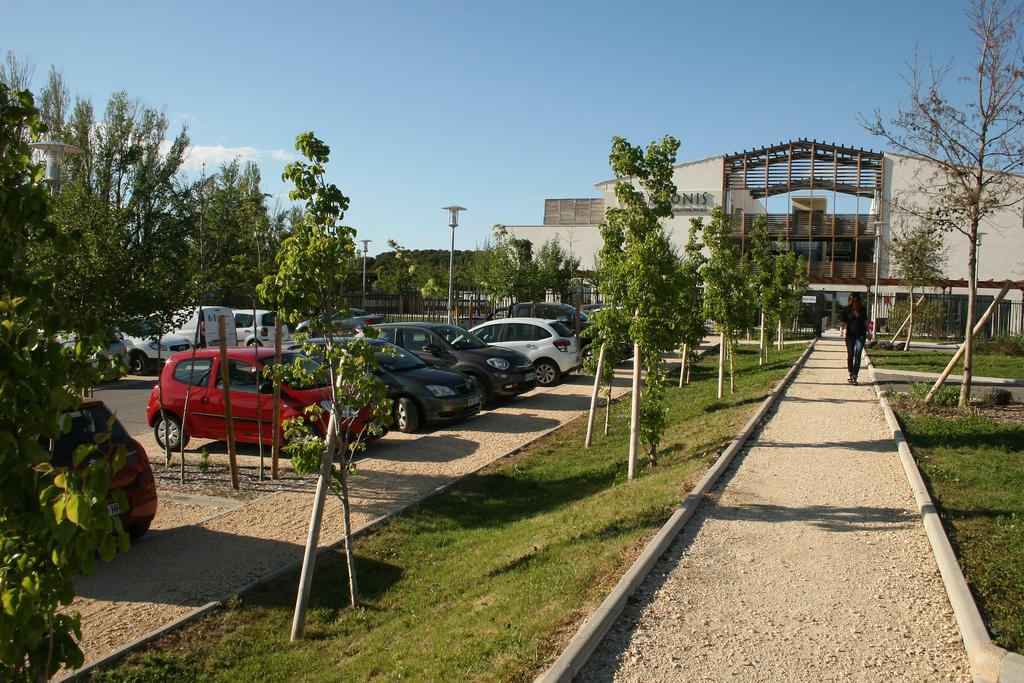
x=312 y=276
x=919 y=260
x=640 y=272
x=556 y=268
x=728 y=296
x=53 y=520
x=690 y=317
x=788 y=286
x=762 y=277
x=397 y=274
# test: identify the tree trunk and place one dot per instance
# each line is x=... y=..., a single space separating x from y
x=607 y=407
x=684 y=363
x=313 y=537
x=634 y=414
x=721 y=364
x=593 y=398
x=910 y=321
x=762 y=352
x=732 y=367
x=972 y=290
x=346 y=508
x=160 y=399
x=779 y=344
x=228 y=417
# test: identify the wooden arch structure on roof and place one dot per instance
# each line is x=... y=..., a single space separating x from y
x=839 y=247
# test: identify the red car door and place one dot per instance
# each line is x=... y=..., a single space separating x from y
x=196 y=379
x=245 y=401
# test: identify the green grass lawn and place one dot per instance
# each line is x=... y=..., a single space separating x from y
x=985 y=365
x=975 y=470
x=487 y=581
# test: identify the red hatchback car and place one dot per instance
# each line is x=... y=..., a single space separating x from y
x=81 y=426
x=252 y=400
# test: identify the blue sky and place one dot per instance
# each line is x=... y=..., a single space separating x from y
x=493 y=106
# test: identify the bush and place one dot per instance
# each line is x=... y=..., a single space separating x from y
x=1005 y=343
x=994 y=396
x=945 y=396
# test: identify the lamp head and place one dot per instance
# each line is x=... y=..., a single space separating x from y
x=453 y=214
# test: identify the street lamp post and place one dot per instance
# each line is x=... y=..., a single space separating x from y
x=366 y=246
x=453 y=222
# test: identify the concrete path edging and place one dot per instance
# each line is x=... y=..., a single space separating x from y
x=952 y=379
x=593 y=630
x=123 y=651
x=989 y=662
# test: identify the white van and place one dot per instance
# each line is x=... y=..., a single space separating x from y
x=208 y=332
x=260 y=333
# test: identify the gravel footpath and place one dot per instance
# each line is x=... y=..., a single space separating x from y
x=808 y=562
x=180 y=565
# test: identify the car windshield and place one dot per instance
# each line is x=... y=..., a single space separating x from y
x=311 y=365
x=83 y=425
x=394 y=358
x=459 y=338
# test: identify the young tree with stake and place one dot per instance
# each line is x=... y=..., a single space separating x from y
x=919 y=259
x=641 y=275
x=972 y=151
x=313 y=269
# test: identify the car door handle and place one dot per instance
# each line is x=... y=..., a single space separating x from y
x=531 y=346
x=204 y=399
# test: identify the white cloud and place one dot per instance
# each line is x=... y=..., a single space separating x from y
x=215 y=155
x=282 y=155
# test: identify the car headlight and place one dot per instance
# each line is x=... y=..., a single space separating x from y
x=499 y=363
x=438 y=390
x=347 y=412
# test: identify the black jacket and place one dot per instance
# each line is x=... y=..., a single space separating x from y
x=856 y=322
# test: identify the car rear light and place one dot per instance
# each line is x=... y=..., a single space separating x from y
x=562 y=344
x=264 y=332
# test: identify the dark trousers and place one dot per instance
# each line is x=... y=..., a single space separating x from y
x=854 y=349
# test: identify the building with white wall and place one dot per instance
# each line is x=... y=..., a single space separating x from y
x=834 y=205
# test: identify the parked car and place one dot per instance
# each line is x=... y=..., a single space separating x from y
x=349 y=324
x=252 y=405
x=135 y=479
x=263 y=332
x=549 y=310
x=144 y=352
x=422 y=394
x=549 y=344
x=116 y=348
x=497 y=372
x=207 y=330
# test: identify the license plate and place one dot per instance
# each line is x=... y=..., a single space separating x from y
x=113 y=509
x=472 y=402
x=529 y=377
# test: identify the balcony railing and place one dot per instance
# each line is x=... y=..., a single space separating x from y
x=808 y=225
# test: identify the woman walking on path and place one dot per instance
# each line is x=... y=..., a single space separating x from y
x=854 y=326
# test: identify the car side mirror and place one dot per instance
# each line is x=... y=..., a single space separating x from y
x=266 y=387
x=433 y=349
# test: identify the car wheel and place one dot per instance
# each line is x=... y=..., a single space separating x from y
x=176 y=438
x=485 y=389
x=137 y=530
x=254 y=342
x=407 y=417
x=138 y=363
x=547 y=372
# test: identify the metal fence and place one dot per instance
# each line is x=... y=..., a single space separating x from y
x=944 y=316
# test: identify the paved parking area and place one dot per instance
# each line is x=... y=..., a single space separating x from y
x=201 y=547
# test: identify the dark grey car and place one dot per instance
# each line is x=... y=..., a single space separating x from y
x=498 y=372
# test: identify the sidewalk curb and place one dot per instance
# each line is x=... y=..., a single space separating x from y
x=593 y=630
x=221 y=601
x=932 y=376
x=989 y=662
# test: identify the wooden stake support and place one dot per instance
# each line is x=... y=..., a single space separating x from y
x=593 y=398
x=275 y=449
x=960 y=352
x=228 y=420
x=907 y=319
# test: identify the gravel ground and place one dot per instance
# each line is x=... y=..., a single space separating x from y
x=180 y=565
x=809 y=562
